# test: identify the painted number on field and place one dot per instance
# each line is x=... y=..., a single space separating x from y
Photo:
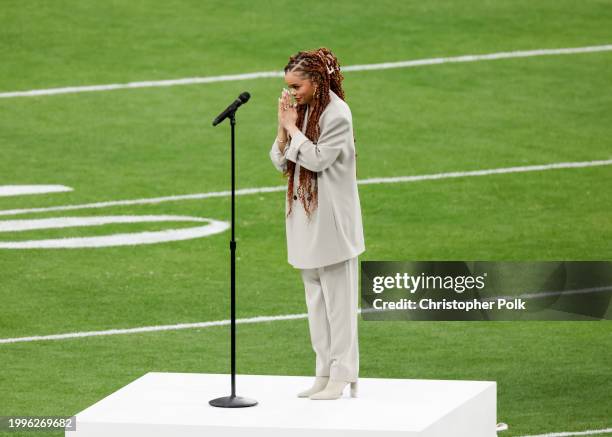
x=128 y=239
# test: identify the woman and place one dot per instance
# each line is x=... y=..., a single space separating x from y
x=323 y=213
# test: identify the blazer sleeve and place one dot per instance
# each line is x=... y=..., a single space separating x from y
x=279 y=159
x=318 y=157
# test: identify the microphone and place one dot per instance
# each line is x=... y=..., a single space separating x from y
x=242 y=98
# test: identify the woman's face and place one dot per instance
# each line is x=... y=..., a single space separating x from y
x=301 y=89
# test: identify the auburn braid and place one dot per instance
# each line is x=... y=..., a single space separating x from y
x=323 y=69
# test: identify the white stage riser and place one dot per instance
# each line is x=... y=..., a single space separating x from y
x=176 y=405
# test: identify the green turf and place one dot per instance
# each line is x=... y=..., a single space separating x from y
x=143 y=143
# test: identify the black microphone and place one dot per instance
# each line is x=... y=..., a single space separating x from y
x=242 y=98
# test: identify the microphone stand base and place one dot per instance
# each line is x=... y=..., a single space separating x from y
x=233 y=402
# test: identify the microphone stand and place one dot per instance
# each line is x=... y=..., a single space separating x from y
x=233 y=401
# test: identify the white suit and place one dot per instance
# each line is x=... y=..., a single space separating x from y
x=326 y=248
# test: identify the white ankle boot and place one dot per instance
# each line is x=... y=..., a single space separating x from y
x=334 y=390
x=319 y=384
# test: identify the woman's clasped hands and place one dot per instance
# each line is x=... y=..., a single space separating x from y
x=287 y=112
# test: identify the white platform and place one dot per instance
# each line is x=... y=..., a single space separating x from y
x=176 y=405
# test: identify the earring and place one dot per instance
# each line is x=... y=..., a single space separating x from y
x=314 y=94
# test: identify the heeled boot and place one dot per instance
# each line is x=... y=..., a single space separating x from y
x=319 y=384
x=334 y=390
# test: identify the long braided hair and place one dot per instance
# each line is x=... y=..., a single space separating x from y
x=323 y=69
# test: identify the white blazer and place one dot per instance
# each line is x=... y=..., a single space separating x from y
x=335 y=232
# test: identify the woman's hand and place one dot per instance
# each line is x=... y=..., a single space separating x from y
x=287 y=114
x=280 y=111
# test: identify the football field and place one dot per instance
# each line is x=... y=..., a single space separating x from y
x=483 y=131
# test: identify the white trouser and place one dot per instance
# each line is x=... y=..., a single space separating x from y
x=332 y=294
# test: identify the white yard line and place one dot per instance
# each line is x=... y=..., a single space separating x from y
x=151 y=328
x=572 y=433
x=544 y=294
x=265 y=74
x=20 y=190
x=258 y=319
x=248 y=191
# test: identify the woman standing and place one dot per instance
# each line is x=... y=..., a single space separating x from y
x=323 y=213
